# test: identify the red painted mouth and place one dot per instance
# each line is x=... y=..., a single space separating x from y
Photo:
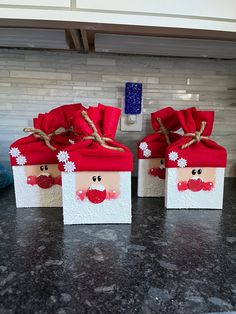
x=158 y=172
x=195 y=185
x=96 y=196
x=45 y=182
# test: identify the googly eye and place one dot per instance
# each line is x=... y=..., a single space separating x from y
x=162 y=162
x=99 y=178
x=46 y=167
x=194 y=171
x=199 y=171
x=41 y=168
x=94 y=178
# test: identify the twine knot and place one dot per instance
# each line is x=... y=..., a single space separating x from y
x=95 y=135
x=163 y=130
x=98 y=138
x=197 y=136
x=42 y=135
x=46 y=137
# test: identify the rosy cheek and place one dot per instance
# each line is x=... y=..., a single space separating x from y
x=153 y=172
x=113 y=194
x=57 y=180
x=182 y=186
x=208 y=186
x=31 y=180
x=81 y=194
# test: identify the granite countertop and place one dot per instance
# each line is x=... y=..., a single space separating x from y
x=175 y=261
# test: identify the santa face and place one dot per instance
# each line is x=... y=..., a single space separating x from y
x=45 y=176
x=151 y=177
x=97 y=187
x=194 y=187
x=196 y=179
x=157 y=168
x=83 y=204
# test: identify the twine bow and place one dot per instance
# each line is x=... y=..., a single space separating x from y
x=197 y=136
x=163 y=130
x=95 y=135
x=44 y=136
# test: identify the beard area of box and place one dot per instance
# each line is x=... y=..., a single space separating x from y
x=71 y=159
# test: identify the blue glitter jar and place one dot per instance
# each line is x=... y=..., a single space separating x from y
x=133 y=98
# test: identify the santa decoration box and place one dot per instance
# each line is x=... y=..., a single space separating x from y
x=96 y=172
x=37 y=180
x=151 y=153
x=195 y=164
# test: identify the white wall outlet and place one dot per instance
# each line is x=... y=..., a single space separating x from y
x=136 y=124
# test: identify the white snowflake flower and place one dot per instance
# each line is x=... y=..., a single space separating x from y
x=173 y=156
x=14 y=152
x=143 y=145
x=182 y=163
x=62 y=156
x=69 y=166
x=21 y=160
x=147 y=153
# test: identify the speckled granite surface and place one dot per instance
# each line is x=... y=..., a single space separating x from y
x=165 y=262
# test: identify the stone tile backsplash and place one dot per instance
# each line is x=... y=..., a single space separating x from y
x=37 y=81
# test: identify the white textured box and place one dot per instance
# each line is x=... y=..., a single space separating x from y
x=112 y=211
x=149 y=186
x=188 y=199
x=34 y=196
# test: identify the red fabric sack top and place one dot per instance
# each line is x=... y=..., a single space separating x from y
x=155 y=145
x=195 y=149
x=32 y=150
x=64 y=114
x=89 y=154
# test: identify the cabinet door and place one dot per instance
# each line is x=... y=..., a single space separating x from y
x=41 y=3
x=200 y=8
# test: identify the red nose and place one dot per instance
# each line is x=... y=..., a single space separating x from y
x=96 y=196
x=45 y=182
x=158 y=172
x=195 y=185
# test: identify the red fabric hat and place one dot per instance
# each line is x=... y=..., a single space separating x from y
x=164 y=122
x=97 y=151
x=195 y=149
x=42 y=146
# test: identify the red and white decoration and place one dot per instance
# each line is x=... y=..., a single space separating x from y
x=33 y=158
x=195 y=164
x=151 y=153
x=19 y=158
x=96 y=171
x=143 y=146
